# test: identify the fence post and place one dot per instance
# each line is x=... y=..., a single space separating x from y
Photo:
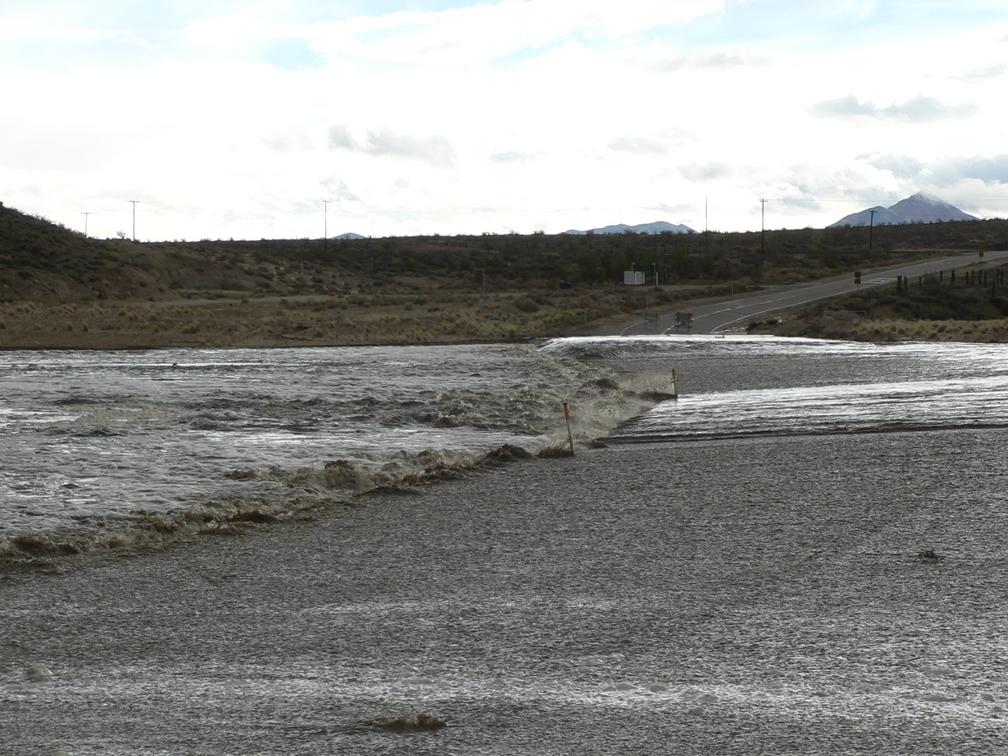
x=570 y=436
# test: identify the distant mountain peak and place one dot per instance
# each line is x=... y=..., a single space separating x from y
x=657 y=227
x=917 y=208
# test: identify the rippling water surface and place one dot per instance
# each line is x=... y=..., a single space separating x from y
x=703 y=593
x=94 y=441
x=745 y=386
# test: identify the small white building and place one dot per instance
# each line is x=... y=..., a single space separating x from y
x=633 y=277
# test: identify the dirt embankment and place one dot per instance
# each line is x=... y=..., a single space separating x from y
x=453 y=316
x=227 y=319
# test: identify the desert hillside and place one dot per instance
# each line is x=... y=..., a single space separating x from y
x=59 y=288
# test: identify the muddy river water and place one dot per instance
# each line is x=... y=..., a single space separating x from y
x=804 y=553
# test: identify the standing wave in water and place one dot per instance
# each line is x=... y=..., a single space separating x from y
x=750 y=386
x=132 y=449
x=129 y=449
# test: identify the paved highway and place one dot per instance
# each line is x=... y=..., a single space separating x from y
x=725 y=314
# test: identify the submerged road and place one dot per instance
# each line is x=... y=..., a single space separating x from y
x=725 y=314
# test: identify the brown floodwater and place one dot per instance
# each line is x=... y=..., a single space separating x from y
x=772 y=595
x=804 y=553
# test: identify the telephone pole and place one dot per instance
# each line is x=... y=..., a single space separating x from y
x=134 y=203
x=706 y=229
x=871 y=226
x=325 y=225
x=763 y=226
x=85 y=222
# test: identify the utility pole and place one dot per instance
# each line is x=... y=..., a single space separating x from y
x=705 y=227
x=763 y=226
x=325 y=227
x=134 y=203
x=871 y=226
x=85 y=222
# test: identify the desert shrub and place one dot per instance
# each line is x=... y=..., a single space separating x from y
x=526 y=305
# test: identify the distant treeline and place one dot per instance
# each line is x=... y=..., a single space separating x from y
x=700 y=257
x=37 y=256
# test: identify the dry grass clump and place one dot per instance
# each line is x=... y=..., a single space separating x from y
x=252 y=515
x=416 y=722
x=979 y=331
x=41 y=545
x=847 y=326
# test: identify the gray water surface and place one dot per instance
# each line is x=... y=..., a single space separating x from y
x=95 y=442
x=800 y=589
x=727 y=596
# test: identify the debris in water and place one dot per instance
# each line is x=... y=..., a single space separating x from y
x=506 y=453
x=38 y=673
x=253 y=515
x=929 y=555
x=421 y=721
x=554 y=452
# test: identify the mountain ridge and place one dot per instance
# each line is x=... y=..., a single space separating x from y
x=917 y=208
x=656 y=227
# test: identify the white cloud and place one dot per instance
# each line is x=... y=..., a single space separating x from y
x=861 y=9
x=484 y=33
x=706 y=172
x=993 y=71
x=715 y=59
x=386 y=142
x=510 y=156
x=640 y=145
x=920 y=109
x=508 y=114
x=901 y=166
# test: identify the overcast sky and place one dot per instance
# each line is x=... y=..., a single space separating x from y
x=237 y=119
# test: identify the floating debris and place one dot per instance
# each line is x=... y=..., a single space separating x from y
x=38 y=673
x=554 y=452
x=422 y=721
